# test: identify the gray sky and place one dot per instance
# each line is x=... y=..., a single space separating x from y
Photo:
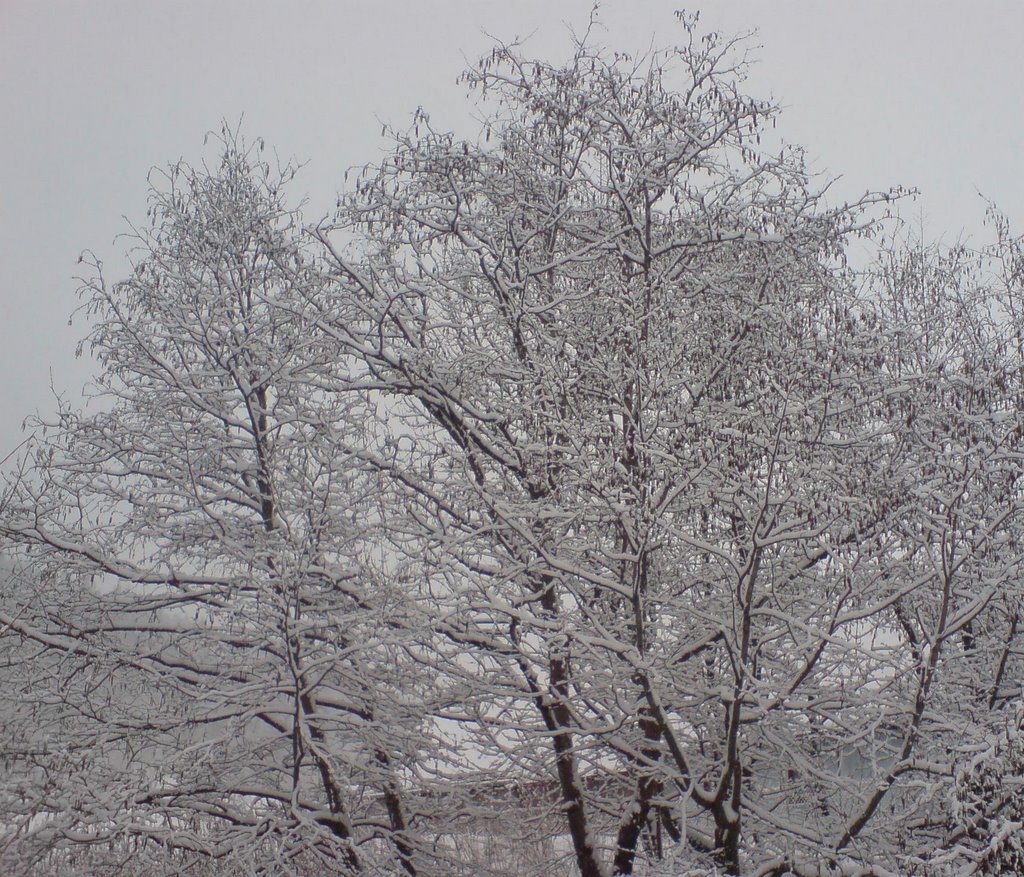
x=94 y=93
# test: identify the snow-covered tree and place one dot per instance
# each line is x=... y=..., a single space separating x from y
x=225 y=649
x=669 y=461
x=566 y=500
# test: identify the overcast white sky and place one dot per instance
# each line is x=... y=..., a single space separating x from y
x=94 y=93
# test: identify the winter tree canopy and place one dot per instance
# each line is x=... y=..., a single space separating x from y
x=578 y=498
